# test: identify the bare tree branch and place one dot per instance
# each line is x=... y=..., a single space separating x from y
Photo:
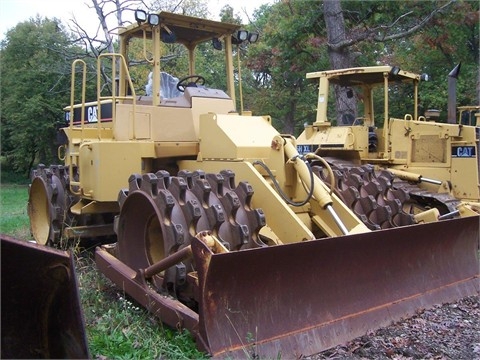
x=418 y=26
x=104 y=9
x=372 y=33
x=99 y=5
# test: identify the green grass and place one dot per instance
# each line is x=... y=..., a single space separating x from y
x=116 y=327
x=13 y=210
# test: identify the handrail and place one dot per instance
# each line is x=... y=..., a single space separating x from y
x=114 y=97
x=72 y=91
x=73 y=154
x=75 y=185
x=150 y=61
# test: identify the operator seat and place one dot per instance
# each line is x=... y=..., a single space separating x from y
x=168 y=86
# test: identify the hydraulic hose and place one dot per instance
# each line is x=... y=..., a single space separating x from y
x=319 y=192
x=279 y=189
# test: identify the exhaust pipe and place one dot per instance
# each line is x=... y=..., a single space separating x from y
x=452 y=94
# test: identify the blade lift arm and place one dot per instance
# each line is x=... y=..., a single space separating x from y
x=329 y=212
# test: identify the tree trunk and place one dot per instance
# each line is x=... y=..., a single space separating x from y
x=289 y=123
x=478 y=86
x=339 y=59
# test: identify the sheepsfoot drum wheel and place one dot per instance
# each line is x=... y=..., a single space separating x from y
x=48 y=204
x=161 y=214
x=379 y=198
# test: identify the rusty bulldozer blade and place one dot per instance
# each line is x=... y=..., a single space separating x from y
x=41 y=313
x=300 y=299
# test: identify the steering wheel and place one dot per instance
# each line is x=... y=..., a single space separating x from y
x=191 y=80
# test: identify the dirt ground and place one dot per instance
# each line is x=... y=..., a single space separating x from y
x=450 y=331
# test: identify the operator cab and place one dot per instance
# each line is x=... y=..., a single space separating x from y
x=164 y=37
x=378 y=93
x=161 y=49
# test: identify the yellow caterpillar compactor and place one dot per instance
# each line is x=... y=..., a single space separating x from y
x=260 y=243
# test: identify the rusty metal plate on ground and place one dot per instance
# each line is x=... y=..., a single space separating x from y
x=41 y=313
x=167 y=309
x=299 y=299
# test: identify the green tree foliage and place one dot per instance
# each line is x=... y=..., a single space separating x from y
x=197 y=8
x=288 y=48
x=420 y=36
x=451 y=39
x=35 y=69
x=427 y=37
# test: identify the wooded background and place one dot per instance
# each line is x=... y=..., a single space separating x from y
x=296 y=37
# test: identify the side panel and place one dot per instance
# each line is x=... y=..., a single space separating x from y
x=167 y=123
x=465 y=178
x=445 y=152
x=158 y=123
x=105 y=166
x=235 y=137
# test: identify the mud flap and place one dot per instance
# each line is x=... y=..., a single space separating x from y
x=41 y=313
x=299 y=299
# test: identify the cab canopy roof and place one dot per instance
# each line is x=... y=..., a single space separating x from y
x=187 y=30
x=372 y=75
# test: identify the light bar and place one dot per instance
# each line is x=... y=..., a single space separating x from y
x=153 y=19
x=243 y=35
x=140 y=16
x=252 y=37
